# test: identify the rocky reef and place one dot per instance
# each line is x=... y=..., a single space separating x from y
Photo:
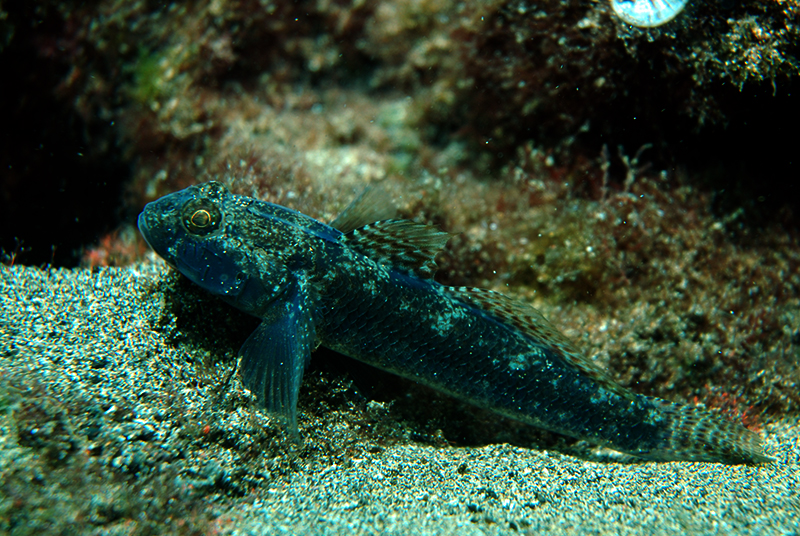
x=630 y=182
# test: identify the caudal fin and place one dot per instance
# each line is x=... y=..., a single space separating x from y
x=695 y=434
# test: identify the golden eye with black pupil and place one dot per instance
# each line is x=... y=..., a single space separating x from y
x=201 y=216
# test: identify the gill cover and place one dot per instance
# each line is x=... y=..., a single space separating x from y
x=214 y=271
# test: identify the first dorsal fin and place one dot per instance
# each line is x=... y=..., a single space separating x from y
x=531 y=322
x=374 y=204
x=401 y=244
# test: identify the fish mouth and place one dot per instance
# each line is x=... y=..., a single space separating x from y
x=153 y=233
x=141 y=222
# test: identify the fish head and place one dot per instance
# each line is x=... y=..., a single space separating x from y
x=195 y=231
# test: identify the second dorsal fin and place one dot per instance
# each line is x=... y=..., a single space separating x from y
x=531 y=322
x=401 y=244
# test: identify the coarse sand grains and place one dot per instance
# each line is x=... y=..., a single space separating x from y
x=112 y=421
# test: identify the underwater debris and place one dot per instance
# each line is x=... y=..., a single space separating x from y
x=647 y=13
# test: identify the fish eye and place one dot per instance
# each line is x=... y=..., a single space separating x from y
x=201 y=216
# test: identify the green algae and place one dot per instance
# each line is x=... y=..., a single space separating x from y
x=148 y=77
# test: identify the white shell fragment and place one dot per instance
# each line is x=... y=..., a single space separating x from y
x=647 y=13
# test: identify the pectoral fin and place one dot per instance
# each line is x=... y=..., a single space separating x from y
x=273 y=358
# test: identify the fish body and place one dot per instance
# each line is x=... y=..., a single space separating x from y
x=365 y=289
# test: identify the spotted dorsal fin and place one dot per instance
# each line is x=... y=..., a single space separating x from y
x=400 y=244
x=535 y=326
x=374 y=204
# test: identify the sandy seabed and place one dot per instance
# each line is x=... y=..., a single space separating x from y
x=87 y=376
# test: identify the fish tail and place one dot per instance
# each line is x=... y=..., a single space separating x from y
x=696 y=434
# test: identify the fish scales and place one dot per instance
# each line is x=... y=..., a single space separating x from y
x=419 y=332
x=368 y=293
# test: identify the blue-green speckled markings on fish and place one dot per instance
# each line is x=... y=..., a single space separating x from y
x=364 y=288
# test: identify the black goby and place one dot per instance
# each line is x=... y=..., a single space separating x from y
x=364 y=288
